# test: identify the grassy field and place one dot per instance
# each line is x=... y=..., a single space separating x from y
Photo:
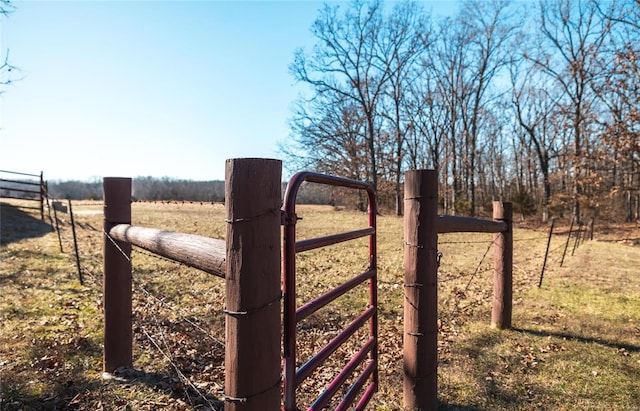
x=575 y=342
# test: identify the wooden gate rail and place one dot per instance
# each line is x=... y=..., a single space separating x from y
x=249 y=260
x=421 y=227
x=204 y=253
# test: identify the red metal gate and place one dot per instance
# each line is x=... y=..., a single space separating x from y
x=292 y=314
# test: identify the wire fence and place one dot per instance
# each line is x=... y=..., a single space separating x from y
x=193 y=355
x=187 y=339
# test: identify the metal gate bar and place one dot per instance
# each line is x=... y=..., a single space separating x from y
x=292 y=314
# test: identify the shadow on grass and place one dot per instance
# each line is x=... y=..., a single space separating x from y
x=56 y=375
x=170 y=385
x=17 y=224
x=51 y=375
x=618 y=346
x=497 y=377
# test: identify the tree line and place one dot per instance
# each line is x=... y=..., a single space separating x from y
x=144 y=189
x=536 y=103
x=170 y=189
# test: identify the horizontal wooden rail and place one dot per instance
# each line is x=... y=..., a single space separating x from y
x=454 y=224
x=203 y=253
x=27 y=183
x=20 y=174
x=20 y=190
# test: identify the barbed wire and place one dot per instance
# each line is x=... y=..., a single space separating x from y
x=462 y=242
x=152 y=298
x=181 y=317
x=531 y=238
x=167 y=356
x=534 y=257
x=471 y=278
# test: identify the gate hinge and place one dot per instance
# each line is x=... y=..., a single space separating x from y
x=288 y=218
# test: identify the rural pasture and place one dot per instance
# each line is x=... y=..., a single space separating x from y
x=575 y=342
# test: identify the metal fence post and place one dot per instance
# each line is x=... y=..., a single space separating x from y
x=117 y=277
x=253 y=291
x=75 y=243
x=566 y=245
x=42 y=196
x=420 y=340
x=503 y=268
x=546 y=253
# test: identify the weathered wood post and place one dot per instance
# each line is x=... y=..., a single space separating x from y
x=253 y=293
x=420 y=290
x=117 y=277
x=503 y=268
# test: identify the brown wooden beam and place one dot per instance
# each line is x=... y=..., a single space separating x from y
x=204 y=253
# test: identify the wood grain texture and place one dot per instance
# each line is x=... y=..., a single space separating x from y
x=204 y=253
x=420 y=342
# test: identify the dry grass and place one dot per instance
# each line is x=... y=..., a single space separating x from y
x=575 y=342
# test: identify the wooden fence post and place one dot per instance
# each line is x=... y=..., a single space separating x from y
x=503 y=268
x=117 y=277
x=253 y=292
x=420 y=290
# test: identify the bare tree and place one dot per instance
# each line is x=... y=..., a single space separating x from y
x=404 y=40
x=470 y=53
x=619 y=93
x=491 y=27
x=534 y=99
x=573 y=36
x=328 y=135
x=348 y=60
x=6 y=69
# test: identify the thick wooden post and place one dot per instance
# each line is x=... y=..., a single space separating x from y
x=117 y=277
x=503 y=268
x=253 y=293
x=420 y=290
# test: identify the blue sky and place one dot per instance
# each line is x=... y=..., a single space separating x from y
x=149 y=88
